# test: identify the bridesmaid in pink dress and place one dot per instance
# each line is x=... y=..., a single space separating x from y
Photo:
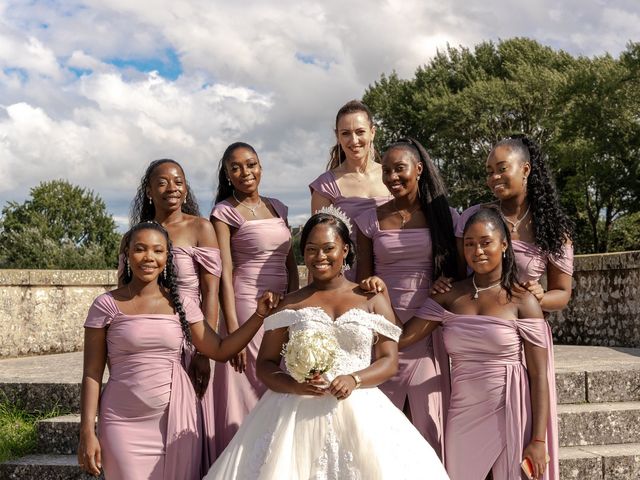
x=255 y=244
x=408 y=242
x=540 y=231
x=497 y=339
x=148 y=424
x=352 y=181
x=164 y=196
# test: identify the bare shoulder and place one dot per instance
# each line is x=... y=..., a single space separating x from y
x=528 y=305
x=205 y=233
x=294 y=300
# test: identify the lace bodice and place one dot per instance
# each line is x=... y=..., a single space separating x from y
x=354 y=330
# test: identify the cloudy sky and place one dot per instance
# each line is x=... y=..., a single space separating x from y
x=92 y=90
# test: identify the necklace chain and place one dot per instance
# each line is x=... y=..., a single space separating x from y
x=514 y=225
x=481 y=289
x=248 y=207
x=403 y=219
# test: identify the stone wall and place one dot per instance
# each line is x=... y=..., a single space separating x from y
x=605 y=305
x=42 y=311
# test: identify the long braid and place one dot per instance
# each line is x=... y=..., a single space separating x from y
x=169 y=282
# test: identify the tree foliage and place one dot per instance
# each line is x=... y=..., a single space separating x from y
x=583 y=111
x=61 y=226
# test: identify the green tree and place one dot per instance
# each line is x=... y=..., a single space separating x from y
x=61 y=226
x=582 y=111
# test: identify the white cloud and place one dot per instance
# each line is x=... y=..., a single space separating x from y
x=272 y=74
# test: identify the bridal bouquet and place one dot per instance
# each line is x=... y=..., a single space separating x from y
x=309 y=352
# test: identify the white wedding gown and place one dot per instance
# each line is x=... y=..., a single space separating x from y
x=363 y=437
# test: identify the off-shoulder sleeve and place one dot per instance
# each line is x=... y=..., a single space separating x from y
x=101 y=312
x=326 y=186
x=431 y=310
x=209 y=259
x=462 y=220
x=564 y=261
x=367 y=222
x=281 y=319
x=224 y=212
x=192 y=311
x=534 y=331
x=281 y=209
x=384 y=327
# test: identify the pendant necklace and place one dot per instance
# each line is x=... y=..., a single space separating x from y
x=481 y=289
x=403 y=219
x=514 y=225
x=251 y=209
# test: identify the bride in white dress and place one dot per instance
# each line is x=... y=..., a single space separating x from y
x=343 y=427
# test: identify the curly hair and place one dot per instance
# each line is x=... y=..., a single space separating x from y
x=491 y=214
x=166 y=279
x=551 y=225
x=225 y=189
x=338 y=225
x=435 y=206
x=142 y=210
x=337 y=155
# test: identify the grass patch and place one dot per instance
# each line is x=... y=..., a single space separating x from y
x=18 y=434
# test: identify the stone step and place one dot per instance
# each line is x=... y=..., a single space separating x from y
x=599 y=423
x=600 y=462
x=597 y=374
x=58 y=435
x=44 y=467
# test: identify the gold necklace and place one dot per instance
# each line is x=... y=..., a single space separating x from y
x=403 y=219
x=248 y=207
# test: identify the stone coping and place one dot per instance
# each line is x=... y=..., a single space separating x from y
x=607 y=261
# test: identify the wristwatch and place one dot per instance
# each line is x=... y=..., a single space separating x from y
x=357 y=379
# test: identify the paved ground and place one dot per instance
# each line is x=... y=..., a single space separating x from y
x=67 y=367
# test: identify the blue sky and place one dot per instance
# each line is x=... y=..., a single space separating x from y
x=91 y=91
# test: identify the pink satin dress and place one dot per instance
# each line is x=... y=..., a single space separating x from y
x=532 y=263
x=259 y=250
x=326 y=186
x=489 y=419
x=403 y=260
x=187 y=262
x=148 y=421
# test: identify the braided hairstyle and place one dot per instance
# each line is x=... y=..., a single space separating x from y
x=337 y=155
x=166 y=279
x=432 y=193
x=142 y=211
x=490 y=214
x=225 y=189
x=338 y=225
x=551 y=225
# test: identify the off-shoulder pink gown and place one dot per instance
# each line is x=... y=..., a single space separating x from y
x=532 y=263
x=489 y=420
x=326 y=186
x=187 y=262
x=259 y=250
x=148 y=421
x=403 y=259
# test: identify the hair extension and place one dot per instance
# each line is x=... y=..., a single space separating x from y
x=491 y=214
x=338 y=226
x=551 y=225
x=435 y=206
x=167 y=281
x=337 y=155
x=225 y=189
x=141 y=210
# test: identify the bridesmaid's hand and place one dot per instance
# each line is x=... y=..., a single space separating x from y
x=535 y=288
x=537 y=454
x=316 y=386
x=267 y=302
x=199 y=373
x=441 y=285
x=90 y=454
x=373 y=284
x=342 y=386
x=239 y=362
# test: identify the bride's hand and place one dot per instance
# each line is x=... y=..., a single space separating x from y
x=342 y=386
x=316 y=386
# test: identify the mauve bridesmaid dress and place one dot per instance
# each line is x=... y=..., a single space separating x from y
x=259 y=250
x=148 y=419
